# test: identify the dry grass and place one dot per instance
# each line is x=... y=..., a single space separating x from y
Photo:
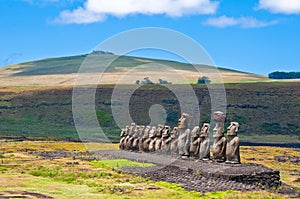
x=289 y=170
x=61 y=178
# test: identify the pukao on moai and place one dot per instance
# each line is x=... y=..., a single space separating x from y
x=129 y=138
x=195 y=142
x=165 y=144
x=184 y=135
x=233 y=144
x=173 y=141
x=123 y=135
x=158 y=137
x=145 y=139
x=152 y=134
x=219 y=146
x=204 y=151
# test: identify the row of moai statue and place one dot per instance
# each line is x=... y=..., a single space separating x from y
x=182 y=141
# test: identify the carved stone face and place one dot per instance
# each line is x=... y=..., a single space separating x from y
x=183 y=121
x=174 y=132
x=141 y=130
x=218 y=132
x=146 y=132
x=166 y=131
x=233 y=128
x=195 y=132
x=205 y=130
x=219 y=116
x=159 y=130
x=131 y=129
x=152 y=132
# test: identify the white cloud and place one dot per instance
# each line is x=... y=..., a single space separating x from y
x=244 y=22
x=97 y=10
x=280 y=6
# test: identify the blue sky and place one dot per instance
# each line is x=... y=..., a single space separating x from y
x=258 y=36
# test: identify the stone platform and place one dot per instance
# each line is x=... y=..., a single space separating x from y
x=202 y=176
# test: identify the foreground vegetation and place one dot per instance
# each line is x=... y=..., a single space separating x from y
x=25 y=170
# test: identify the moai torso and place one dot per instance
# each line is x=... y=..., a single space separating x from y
x=204 y=151
x=219 y=146
x=195 y=142
x=233 y=144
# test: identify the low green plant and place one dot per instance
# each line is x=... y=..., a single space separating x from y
x=119 y=163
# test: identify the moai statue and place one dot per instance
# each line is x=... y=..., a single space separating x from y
x=138 y=133
x=219 y=146
x=152 y=134
x=195 y=142
x=158 y=138
x=233 y=144
x=184 y=135
x=129 y=138
x=204 y=151
x=141 y=138
x=165 y=144
x=123 y=135
x=146 y=138
x=173 y=141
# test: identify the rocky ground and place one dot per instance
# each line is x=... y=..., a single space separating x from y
x=204 y=176
x=193 y=175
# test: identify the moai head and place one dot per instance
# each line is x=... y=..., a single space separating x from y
x=233 y=128
x=124 y=131
x=141 y=130
x=205 y=130
x=183 y=121
x=131 y=129
x=219 y=118
x=159 y=129
x=195 y=132
x=174 y=132
x=136 y=131
x=146 y=132
x=152 y=132
x=166 y=131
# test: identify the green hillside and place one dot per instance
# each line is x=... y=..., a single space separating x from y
x=64 y=69
x=267 y=112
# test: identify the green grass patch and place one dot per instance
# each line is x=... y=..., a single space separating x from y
x=119 y=163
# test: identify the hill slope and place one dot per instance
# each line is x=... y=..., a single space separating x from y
x=63 y=71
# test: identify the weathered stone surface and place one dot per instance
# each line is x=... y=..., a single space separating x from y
x=204 y=151
x=233 y=144
x=219 y=146
x=202 y=176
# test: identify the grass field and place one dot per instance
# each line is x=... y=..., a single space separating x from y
x=24 y=172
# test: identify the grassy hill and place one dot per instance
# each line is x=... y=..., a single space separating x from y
x=63 y=71
x=36 y=99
